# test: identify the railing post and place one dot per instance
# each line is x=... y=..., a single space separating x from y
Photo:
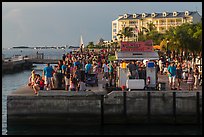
x=102 y=109
x=198 y=107
x=148 y=107
x=174 y=107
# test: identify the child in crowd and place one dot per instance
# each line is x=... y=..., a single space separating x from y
x=41 y=83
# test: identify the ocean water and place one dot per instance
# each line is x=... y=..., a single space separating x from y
x=48 y=53
x=11 y=82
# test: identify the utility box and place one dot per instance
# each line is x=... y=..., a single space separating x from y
x=151 y=75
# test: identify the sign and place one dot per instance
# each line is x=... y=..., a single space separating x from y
x=111 y=58
x=137 y=46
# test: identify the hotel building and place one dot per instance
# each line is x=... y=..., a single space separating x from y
x=162 y=21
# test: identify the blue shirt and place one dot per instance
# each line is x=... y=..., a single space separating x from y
x=87 y=68
x=172 y=70
x=64 y=67
x=76 y=63
x=48 y=71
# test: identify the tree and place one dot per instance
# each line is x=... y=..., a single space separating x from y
x=90 y=45
x=186 y=37
x=126 y=32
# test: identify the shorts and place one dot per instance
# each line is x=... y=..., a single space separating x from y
x=47 y=80
x=67 y=80
x=172 y=79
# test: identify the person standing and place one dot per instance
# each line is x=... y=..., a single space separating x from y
x=105 y=71
x=172 y=75
x=110 y=70
x=161 y=66
x=190 y=80
x=132 y=69
x=179 y=75
x=196 y=74
x=67 y=77
x=48 y=73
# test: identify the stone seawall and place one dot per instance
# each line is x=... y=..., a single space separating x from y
x=87 y=108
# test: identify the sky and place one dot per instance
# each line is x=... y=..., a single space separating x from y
x=62 y=23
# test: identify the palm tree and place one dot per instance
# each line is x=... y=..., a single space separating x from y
x=126 y=32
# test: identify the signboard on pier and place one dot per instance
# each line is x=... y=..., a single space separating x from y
x=140 y=46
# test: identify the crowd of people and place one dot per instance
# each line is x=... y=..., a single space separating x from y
x=73 y=69
x=178 y=71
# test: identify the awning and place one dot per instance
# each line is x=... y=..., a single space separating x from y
x=137 y=55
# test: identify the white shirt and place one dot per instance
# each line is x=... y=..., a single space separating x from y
x=105 y=68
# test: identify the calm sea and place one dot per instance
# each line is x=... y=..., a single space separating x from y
x=48 y=53
x=11 y=82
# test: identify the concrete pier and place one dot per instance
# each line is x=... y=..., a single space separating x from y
x=15 y=66
x=96 y=106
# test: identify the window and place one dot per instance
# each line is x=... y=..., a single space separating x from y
x=125 y=15
x=143 y=15
x=186 y=13
x=114 y=30
x=153 y=15
x=164 y=14
x=174 y=13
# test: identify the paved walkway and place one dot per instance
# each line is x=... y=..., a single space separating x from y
x=184 y=85
x=27 y=91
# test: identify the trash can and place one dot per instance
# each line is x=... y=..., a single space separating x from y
x=162 y=86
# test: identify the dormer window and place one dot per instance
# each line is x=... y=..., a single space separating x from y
x=125 y=15
x=174 y=13
x=134 y=15
x=143 y=15
x=186 y=13
x=164 y=14
x=153 y=15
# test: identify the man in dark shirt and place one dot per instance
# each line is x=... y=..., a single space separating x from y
x=132 y=69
